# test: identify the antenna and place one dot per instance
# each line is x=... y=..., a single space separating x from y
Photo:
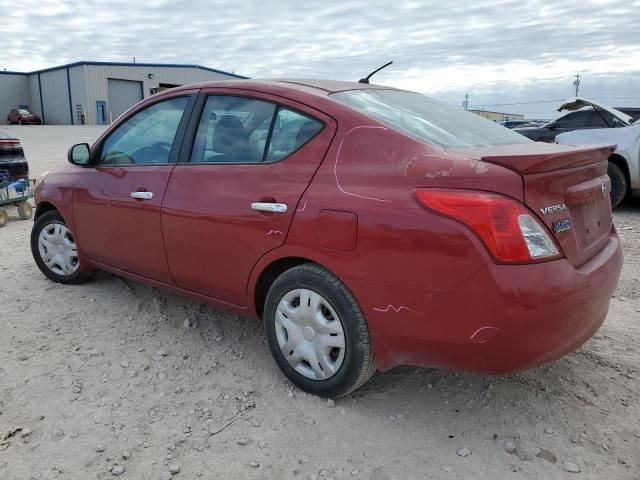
x=366 y=79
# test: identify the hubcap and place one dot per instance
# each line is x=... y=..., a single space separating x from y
x=58 y=250
x=310 y=334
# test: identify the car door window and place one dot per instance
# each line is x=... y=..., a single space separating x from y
x=147 y=137
x=573 y=120
x=291 y=130
x=233 y=129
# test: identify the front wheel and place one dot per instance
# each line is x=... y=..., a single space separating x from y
x=619 y=185
x=54 y=249
x=317 y=332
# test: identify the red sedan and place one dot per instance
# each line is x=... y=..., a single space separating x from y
x=366 y=226
x=22 y=117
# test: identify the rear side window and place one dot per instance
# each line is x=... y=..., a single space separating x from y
x=233 y=130
x=244 y=130
x=291 y=131
x=428 y=120
x=574 y=120
x=145 y=138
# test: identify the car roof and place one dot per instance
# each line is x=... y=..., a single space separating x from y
x=317 y=86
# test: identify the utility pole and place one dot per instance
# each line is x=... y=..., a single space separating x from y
x=576 y=83
x=465 y=103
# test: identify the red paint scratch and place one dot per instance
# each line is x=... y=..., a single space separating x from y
x=394 y=308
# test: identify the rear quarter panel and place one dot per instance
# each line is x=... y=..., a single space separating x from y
x=372 y=172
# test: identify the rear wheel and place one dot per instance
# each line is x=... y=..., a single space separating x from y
x=4 y=217
x=25 y=211
x=317 y=332
x=54 y=249
x=619 y=185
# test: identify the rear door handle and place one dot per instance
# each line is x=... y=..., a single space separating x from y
x=142 y=195
x=269 y=207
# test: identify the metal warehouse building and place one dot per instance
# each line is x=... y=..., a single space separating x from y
x=94 y=92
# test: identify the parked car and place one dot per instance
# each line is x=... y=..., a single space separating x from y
x=513 y=123
x=583 y=114
x=633 y=112
x=12 y=157
x=23 y=117
x=366 y=226
x=624 y=163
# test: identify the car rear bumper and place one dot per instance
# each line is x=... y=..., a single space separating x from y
x=16 y=169
x=502 y=319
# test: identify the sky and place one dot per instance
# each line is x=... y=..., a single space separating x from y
x=514 y=56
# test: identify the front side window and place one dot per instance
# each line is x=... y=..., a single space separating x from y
x=429 y=121
x=147 y=137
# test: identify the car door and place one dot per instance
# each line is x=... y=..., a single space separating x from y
x=232 y=197
x=117 y=198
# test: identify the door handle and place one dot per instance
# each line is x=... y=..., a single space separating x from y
x=142 y=195
x=269 y=207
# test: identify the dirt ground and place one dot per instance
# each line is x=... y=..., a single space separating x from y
x=115 y=376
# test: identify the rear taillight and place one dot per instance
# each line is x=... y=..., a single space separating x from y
x=9 y=142
x=506 y=227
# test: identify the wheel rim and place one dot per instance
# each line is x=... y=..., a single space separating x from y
x=310 y=334
x=58 y=249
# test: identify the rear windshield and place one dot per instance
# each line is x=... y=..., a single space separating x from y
x=428 y=120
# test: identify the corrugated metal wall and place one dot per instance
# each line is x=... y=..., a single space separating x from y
x=87 y=84
x=98 y=75
x=14 y=91
x=34 y=96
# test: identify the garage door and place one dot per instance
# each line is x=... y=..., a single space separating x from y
x=123 y=94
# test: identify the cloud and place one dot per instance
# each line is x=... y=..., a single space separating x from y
x=492 y=50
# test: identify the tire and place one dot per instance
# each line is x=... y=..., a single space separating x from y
x=619 y=184
x=349 y=359
x=25 y=211
x=60 y=267
x=4 y=217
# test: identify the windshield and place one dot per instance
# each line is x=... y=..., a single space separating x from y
x=428 y=120
x=24 y=112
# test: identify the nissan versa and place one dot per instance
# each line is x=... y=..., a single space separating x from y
x=366 y=226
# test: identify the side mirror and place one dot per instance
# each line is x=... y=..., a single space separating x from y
x=79 y=154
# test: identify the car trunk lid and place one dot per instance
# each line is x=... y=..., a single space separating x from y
x=566 y=187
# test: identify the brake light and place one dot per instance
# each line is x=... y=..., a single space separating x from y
x=506 y=227
x=9 y=142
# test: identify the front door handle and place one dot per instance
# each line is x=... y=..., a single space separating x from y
x=142 y=195
x=269 y=207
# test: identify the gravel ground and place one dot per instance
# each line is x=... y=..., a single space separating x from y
x=116 y=379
